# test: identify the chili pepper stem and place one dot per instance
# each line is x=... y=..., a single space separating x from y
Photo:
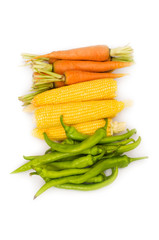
x=106 y=123
x=62 y=123
x=135 y=159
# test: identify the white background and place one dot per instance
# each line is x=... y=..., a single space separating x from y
x=127 y=209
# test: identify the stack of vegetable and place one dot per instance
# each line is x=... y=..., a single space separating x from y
x=72 y=97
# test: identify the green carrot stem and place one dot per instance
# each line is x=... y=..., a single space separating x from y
x=41 y=65
x=122 y=53
x=31 y=56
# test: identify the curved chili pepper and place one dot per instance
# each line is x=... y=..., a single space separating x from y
x=121 y=143
x=37 y=160
x=90 y=187
x=76 y=163
x=52 y=183
x=62 y=173
x=121 y=161
x=99 y=178
x=60 y=181
x=72 y=132
x=122 y=149
x=81 y=162
x=118 y=137
x=77 y=148
x=66 y=141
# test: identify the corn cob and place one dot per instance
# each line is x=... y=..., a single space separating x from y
x=77 y=112
x=85 y=91
x=58 y=133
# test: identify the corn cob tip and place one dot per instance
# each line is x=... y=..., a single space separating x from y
x=29 y=108
x=36 y=132
x=118 y=127
x=128 y=103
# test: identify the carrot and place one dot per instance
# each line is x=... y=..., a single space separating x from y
x=92 y=53
x=61 y=66
x=72 y=77
x=96 y=53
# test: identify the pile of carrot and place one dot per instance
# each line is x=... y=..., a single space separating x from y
x=60 y=68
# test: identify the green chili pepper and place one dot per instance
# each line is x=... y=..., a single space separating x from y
x=37 y=160
x=96 y=179
x=121 y=143
x=52 y=157
x=118 y=137
x=60 y=181
x=90 y=187
x=71 y=132
x=101 y=177
x=120 y=162
x=52 y=183
x=122 y=149
x=66 y=141
x=81 y=162
x=62 y=173
x=77 y=163
x=77 y=148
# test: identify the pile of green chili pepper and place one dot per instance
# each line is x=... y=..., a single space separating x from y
x=79 y=161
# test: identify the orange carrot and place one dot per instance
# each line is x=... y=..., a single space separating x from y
x=96 y=53
x=72 y=77
x=92 y=53
x=61 y=66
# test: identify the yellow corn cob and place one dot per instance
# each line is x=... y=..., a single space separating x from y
x=78 y=112
x=58 y=133
x=85 y=91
